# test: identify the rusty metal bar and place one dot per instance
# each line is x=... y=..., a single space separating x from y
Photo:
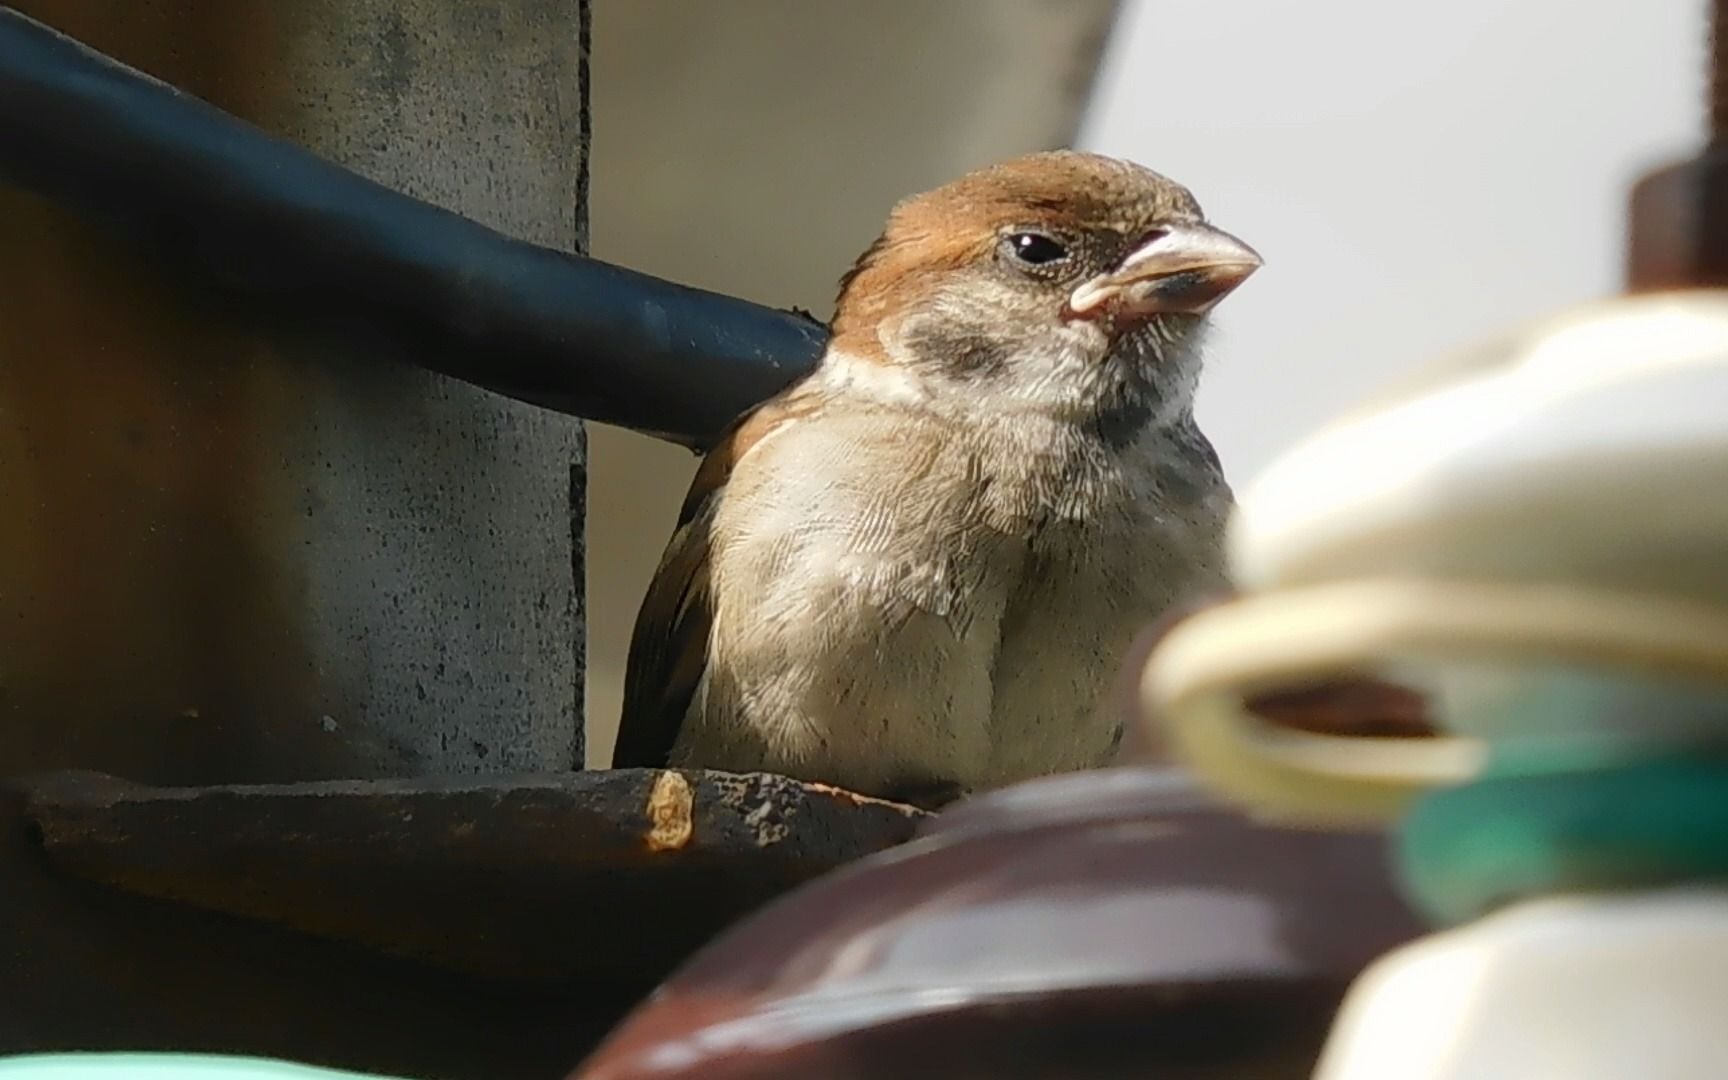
x=320 y=248
x=1718 y=70
x=1677 y=227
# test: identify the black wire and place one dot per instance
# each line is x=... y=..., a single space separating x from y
x=299 y=236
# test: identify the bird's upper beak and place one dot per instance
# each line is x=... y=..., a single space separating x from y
x=1180 y=268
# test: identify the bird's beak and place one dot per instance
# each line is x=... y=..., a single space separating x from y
x=1180 y=268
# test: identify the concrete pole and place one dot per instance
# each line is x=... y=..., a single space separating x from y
x=228 y=556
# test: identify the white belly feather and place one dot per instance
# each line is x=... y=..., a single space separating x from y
x=959 y=637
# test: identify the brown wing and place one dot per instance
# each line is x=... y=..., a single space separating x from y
x=669 y=647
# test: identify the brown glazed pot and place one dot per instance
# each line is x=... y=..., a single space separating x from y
x=1099 y=925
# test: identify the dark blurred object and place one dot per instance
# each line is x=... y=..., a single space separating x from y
x=1102 y=925
x=1362 y=708
x=440 y=928
x=1678 y=226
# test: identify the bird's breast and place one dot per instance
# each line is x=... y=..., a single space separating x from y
x=891 y=599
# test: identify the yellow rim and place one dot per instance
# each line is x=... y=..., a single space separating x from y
x=1196 y=679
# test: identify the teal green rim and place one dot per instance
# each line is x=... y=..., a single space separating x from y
x=1465 y=851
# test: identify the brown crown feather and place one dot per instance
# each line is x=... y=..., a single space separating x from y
x=958 y=224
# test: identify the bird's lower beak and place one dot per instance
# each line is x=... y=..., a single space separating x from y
x=1182 y=268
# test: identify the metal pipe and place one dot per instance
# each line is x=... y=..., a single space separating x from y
x=1677 y=220
x=319 y=247
x=1718 y=72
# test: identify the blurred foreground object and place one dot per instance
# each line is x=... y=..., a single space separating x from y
x=1591 y=850
x=1099 y=925
x=1534 y=540
x=164 y=1067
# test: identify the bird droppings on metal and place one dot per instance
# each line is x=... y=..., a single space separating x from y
x=671 y=804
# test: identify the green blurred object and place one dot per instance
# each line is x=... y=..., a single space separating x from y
x=165 y=1067
x=1528 y=828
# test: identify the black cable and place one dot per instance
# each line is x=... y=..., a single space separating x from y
x=301 y=237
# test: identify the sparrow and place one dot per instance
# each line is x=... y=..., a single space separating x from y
x=912 y=574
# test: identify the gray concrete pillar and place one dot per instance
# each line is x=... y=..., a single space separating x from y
x=230 y=555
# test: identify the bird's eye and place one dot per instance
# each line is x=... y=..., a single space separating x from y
x=1036 y=249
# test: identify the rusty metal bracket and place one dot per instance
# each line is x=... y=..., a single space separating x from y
x=446 y=928
x=526 y=879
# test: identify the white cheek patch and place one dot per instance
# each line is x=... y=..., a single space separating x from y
x=847 y=374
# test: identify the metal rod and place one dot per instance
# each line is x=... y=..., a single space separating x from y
x=303 y=238
x=1718 y=73
x=1677 y=221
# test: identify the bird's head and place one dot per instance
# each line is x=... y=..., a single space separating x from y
x=1059 y=281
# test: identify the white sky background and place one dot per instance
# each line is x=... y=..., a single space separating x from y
x=1417 y=176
